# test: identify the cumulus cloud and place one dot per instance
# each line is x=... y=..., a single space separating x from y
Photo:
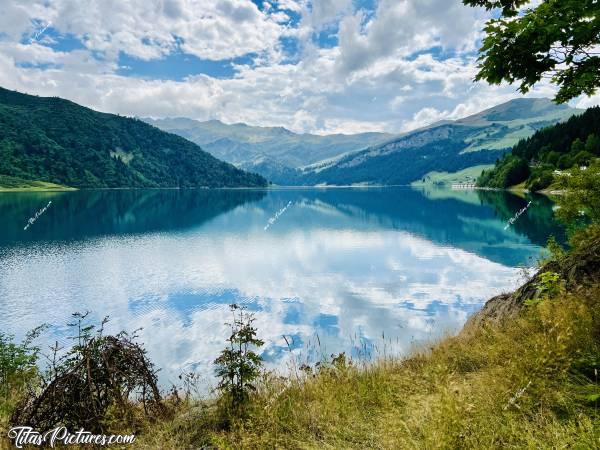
x=320 y=13
x=396 y=67
x=150 y=29
x=401 y=28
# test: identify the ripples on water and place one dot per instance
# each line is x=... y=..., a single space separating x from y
x=349 y=270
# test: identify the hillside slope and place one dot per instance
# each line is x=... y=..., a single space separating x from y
x=534 y=160
x=268 y=150
x=447 y=146
x=58 y=141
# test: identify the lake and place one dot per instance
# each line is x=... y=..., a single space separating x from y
x=370 y=272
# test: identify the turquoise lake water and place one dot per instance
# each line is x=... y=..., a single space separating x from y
x=364 y=271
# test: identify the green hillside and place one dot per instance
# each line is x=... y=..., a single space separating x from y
x=513 y=121
x=57 y=141
x=448 y=146
x=8 y=183
x=465 y=176
x=533 y=161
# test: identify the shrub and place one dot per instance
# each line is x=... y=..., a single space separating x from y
x=97 y=374
x=238 y=366
x=540 y=179
x=17 y=367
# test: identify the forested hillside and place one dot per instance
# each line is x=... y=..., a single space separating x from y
x=396 y=163
x=534 y=160
x=58 y=141
x=447 y=146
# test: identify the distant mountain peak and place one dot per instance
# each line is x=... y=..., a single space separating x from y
x=515 y=109
x=447 y=146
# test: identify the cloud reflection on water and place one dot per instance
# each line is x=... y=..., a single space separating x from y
x=344 y=285
x=342 y=267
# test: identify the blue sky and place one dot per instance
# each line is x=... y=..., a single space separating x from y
x=318 y=66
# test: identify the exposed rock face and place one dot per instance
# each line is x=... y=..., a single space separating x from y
x=578 y=270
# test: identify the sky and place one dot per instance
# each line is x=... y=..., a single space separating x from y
x=312 y=66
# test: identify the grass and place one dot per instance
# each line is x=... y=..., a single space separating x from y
x=528 y=383
x=468 y=175
x=14 y=184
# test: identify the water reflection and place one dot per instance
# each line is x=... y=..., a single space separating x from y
x=343 y=265
x=87 y=214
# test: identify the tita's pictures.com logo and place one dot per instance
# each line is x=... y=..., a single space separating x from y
x=24 y=436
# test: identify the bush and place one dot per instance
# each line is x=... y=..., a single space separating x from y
x=98 y=374
x=17 y=367
x=540 y=179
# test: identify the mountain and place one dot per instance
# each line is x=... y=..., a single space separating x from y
x=534 y=160
x=273 y=152
x=57 y=141
x=447 y=146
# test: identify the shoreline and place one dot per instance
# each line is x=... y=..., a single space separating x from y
x=58 y=188
x=265 y=188
x=36 y=189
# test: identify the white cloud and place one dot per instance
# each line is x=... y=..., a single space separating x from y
x=382 y=75
x=400 y=28
x=324 y=12
x=587 y=102
x=150 y=29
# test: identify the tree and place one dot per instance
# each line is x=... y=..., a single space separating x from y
x=552 y=158
x=539 y=180
x=583 y=158
x=577 y=146
x=580 y=204
x=557 y=39
x=238 y=366
x=592 y=144
x=565 y=162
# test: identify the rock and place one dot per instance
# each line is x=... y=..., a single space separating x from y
x=579 y=269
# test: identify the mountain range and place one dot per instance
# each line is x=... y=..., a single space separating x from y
x=57 y=141
x=447 y=146
x=288 y=158
x=52 y=140
x=275 y=152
